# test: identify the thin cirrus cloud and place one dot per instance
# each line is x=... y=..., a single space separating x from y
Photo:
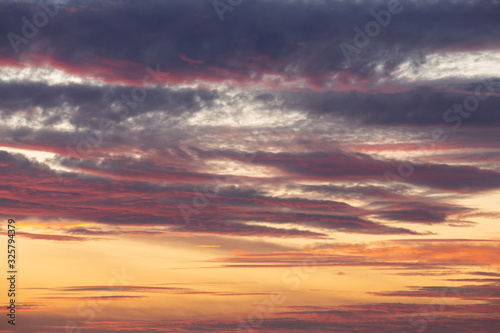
x=412 y=255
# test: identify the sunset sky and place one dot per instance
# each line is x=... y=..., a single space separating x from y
x=249 y=166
